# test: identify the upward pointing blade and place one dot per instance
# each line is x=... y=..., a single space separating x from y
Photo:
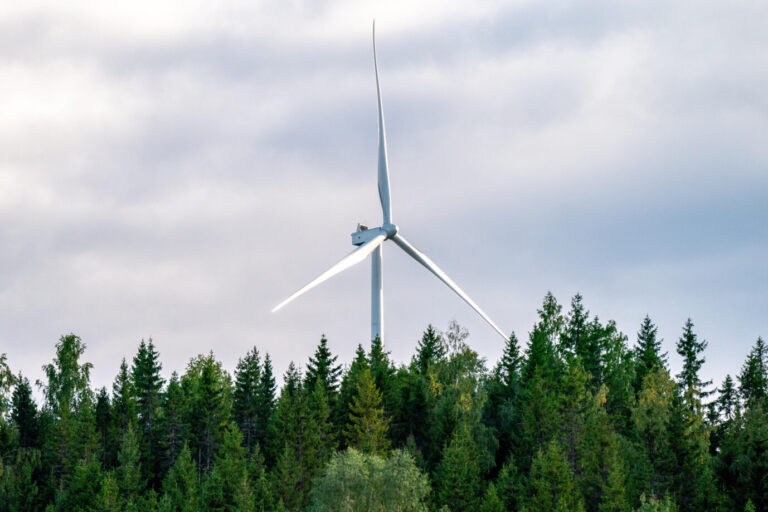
x=386 y=206
x=349 y=260
x=424 y=260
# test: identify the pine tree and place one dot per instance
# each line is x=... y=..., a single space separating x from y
x=208 y=391
x=648 y=352
x=691 y=350
x=109 y=496
x=265 y=409
x=19 y=483
x=458 y=478
x=104 y=425
x=229 y=475
x=245 y=406
x=298 y=437
x=551 y=485
x=491 y=501
x=180 y=487
x=82 y=490
x=727 y=400
x=753 y=380
x=574 y=336
x=509 y=486
x=129 y=478
x=367 y=429
x=322 y=368
x=382 y=372
x=123 y=400
x=24 y=414
x=171 y=422
x=348 y=389
x=429 y=350
x=147 y=386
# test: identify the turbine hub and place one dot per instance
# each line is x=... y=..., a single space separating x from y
x=390 y=229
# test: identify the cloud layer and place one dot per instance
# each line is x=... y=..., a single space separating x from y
x=174 y=171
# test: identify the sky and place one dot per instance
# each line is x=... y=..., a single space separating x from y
x=174 y=170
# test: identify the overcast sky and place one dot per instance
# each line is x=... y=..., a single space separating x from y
x=173 y=170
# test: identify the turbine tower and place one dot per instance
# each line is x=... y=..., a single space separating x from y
x=369 y=241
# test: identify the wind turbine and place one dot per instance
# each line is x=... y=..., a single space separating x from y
x=369 y=242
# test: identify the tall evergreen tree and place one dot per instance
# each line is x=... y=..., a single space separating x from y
x=129 y=479
x=104 y=426
x=147 y=386
x=124 y=405
x=265 y=408
x=367 y=430
x=208 y=390
x=458 y=478
x=551 y=485
x=172 y=426
x=692 y=351
x=322 y=368
x=648 y=352
x=348 y=388
x=24 y=414
x=575 y=333
x=180 y=487
x=245 y=403
x=753 y=380
x=429 y=350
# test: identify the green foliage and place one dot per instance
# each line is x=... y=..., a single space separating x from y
x=245 y=399
x=753 y=380
x=367 y=429
x=24 y=415
x=458 y=479
x=180 y=487
x=648 y=352
x=353 y=481
x=578 y=421
x=7 y=381
x=147 y=385
x=552 y=487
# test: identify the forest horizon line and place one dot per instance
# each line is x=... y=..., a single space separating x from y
x=578 y=419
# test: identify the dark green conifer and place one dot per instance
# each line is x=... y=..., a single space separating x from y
x=245 y=399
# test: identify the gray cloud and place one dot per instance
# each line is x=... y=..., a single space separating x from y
x=174 y=174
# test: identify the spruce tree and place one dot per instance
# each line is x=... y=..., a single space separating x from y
x=180 y=486
x=753 y=380
x=245 y=406
x=147 y=387
x=265 y=407
x=367 y=429
x=129 y=476
x=551 y=485
x=458 y=479
x=575 y=333
x=429 y=350
x=348 y=389
x=322 y=368
x=727 y=400
x=124 y=406
x=208 y=396
x=24 y=414
x=648 y=352
x=691 y=350
x=172 y=426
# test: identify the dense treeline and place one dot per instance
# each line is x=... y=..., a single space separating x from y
x=577 y=420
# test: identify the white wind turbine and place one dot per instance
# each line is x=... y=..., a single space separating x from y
x=370 y=240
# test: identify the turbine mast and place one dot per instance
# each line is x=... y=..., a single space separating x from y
x=377 y=296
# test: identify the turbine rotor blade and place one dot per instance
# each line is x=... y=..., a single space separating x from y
x=386 y=205
x=432 y=267
x=349 y=260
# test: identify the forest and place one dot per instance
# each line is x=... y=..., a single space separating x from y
x=577 y=418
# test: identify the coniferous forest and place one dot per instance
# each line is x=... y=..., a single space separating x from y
x=577 y=417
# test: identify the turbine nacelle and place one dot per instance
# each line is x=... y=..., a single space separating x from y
x=365 y=234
